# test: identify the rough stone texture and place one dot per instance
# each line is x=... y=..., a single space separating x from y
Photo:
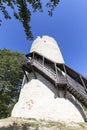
x=37 y=100
x=37 y=97
x=48 y=47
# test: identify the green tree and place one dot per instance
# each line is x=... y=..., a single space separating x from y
x=11 y=76
x=22 y=12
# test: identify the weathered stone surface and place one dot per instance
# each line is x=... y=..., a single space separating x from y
x=37 y=100
x=48 y=47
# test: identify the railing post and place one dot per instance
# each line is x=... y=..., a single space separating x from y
x=56 y=74
x=66 y=79
x=65 y=72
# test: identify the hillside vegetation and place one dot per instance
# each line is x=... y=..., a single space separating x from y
x=32 y=124
x=11 y=76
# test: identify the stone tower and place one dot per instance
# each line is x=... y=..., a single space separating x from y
x=47 y=90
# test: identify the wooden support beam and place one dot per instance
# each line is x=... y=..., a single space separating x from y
x=56 y=74
x=66 y=79
x=64 y=69
x=65 y=73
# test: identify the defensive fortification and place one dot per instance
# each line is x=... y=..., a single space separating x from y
x=50 y=90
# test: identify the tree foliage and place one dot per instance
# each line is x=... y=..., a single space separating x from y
x=11 y=76
x=21 y=11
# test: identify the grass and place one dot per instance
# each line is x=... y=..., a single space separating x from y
x=33 y=124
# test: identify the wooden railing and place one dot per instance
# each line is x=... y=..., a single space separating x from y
x=60 y=78
x=77 y=88
x=63 y=79
x=49 y=72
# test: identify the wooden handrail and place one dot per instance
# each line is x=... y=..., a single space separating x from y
x=49 y=72
x=59 y=78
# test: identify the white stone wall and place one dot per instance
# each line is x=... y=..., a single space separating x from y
x=37 y=100
x=48 y=47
